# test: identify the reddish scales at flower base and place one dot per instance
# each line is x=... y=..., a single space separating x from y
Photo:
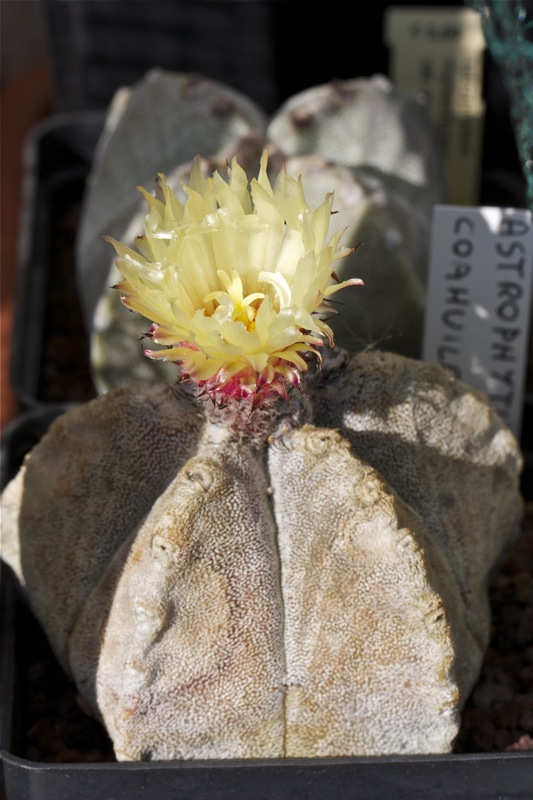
x=236 y=281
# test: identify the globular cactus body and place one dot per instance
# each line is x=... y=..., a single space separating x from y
x=324 y=594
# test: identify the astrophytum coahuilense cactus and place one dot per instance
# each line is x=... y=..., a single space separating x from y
x=283 y=555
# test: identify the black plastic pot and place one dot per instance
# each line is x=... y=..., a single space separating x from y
x=423 y=778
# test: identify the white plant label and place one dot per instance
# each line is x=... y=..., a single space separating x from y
x=439 y=51
x=479 y=299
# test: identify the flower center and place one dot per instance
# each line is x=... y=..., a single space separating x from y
x=232 y=305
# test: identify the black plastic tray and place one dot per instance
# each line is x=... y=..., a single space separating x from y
x=446 y=778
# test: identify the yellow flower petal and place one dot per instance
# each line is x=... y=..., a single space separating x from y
x=234 y=279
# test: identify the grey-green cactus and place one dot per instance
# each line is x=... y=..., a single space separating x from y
x=323 y=594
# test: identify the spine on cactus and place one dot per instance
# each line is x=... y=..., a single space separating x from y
x=236 y=282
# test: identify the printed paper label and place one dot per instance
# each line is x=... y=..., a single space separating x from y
x=439 y=51
x=479 y=299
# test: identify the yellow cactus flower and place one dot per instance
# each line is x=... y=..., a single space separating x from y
x=234 y=280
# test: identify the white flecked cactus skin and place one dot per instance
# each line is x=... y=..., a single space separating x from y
x=324 y=594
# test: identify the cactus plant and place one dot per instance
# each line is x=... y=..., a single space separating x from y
x=287 y=553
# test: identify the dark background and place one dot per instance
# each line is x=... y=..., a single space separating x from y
x=269 y=50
